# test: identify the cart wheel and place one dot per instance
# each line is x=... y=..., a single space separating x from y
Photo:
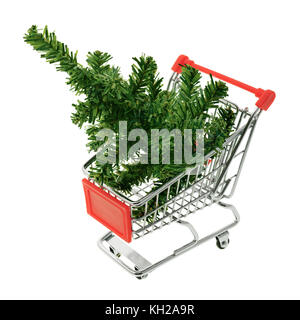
x=223 y=240
x=144 y=276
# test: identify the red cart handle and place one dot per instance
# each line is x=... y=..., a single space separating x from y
x=266 y=97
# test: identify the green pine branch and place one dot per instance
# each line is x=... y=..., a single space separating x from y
x=141 y=101
x=57 y=52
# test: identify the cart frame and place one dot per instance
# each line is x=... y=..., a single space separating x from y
x=213 y=181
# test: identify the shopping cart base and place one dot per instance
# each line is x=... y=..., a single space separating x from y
x=140 y=267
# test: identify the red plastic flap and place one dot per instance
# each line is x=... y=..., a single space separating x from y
x=111 y=212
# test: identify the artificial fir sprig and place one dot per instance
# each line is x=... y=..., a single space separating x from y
x=57 y=52
x=141 y=101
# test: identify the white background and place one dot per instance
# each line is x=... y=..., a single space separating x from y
x=48 y=242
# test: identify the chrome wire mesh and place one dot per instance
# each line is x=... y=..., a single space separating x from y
x=192 y=190
x=200 y=191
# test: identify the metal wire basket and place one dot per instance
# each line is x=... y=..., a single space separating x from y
x=203 y=185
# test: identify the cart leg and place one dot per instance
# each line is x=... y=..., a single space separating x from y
x=140 y=267
x=222 y=239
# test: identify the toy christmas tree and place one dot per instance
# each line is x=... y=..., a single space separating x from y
x=142 y=102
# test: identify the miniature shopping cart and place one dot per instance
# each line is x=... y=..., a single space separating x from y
x=211 y=182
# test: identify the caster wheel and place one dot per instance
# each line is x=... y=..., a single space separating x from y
x=142 y=277
x=222 y=245
x=222 y=240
